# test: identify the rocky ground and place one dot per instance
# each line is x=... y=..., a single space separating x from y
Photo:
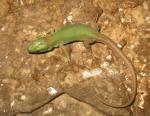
x=37 y=84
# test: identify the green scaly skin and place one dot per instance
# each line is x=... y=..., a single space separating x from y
x=80 y=32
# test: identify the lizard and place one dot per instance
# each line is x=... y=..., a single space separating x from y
x=80 y=32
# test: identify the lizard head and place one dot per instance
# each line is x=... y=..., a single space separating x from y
x=38 y=46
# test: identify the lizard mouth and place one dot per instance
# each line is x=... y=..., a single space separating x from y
x=38 y=46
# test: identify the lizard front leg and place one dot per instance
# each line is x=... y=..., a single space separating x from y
x=66 y=50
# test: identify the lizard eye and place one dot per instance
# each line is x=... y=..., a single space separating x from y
x=38 y=46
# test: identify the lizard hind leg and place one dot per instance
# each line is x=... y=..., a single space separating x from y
x=87 y=43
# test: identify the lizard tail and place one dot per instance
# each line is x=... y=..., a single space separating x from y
x=107 y=41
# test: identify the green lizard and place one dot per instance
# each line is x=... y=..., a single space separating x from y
x=80 y=32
